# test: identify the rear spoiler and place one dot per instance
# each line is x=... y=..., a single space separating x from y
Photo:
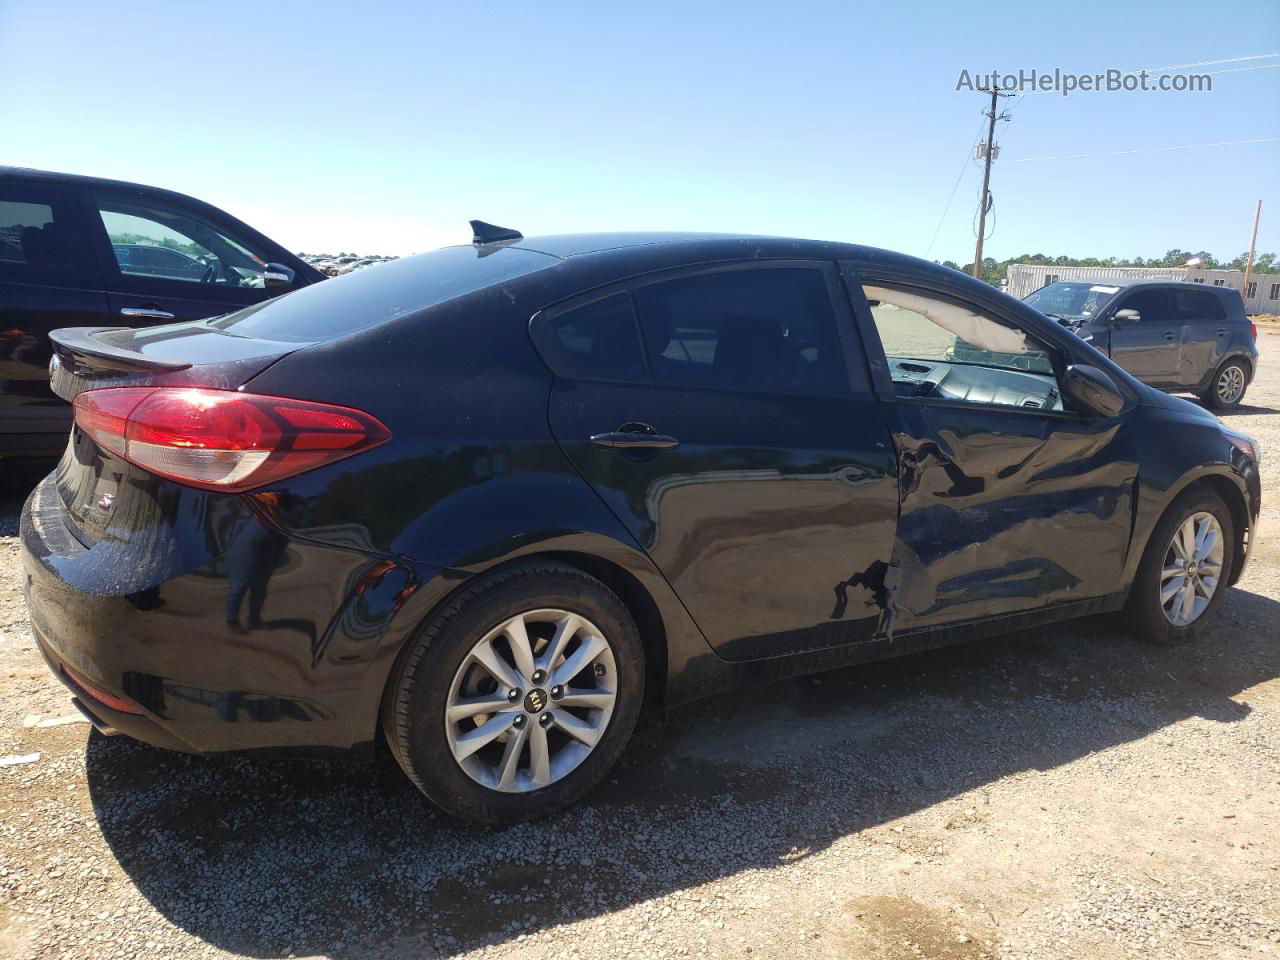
x=89 y=350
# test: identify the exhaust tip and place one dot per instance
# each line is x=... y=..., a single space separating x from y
x=103 y=728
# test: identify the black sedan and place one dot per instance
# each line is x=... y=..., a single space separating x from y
x=488 y=502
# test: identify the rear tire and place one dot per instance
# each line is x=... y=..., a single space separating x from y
x=557 y=739
x=1154 y=618
x=1228 y=386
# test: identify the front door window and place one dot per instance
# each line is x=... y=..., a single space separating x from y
x=150 y=242
x=942 y=350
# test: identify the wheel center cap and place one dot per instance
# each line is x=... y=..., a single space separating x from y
x=535 y=701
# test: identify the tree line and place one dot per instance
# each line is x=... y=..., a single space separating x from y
x=994 y=271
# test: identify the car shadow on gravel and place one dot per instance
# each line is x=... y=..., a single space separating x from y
x=345 y=859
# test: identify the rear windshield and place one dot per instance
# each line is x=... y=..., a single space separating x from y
x=362 y=299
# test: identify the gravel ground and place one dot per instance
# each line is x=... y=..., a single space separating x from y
x=1061 y=793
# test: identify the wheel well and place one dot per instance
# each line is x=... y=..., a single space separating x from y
x=1240 y=358
x=643 y=610
x=1234 y=499
x=1204 y=390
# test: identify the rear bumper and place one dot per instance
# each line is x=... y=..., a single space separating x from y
x=225 y=633
x=104 y=719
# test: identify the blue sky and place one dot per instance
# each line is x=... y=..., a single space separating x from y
x=384 y=127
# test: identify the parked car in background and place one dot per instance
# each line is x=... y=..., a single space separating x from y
x=488 y=501
x=335 y=266
x=153 y=260
x=1176 y=336
x=82 y=250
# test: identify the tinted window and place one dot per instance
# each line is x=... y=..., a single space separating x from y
x=149 y=241
x=600 y=339
x=364 y=298
x=1152 y=304
x=37 y=238
x=1191 y=305
x=763 y=329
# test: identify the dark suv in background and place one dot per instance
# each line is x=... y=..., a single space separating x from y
x=1176 y=336
x=82 y=250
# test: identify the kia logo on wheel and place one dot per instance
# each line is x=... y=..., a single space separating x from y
x=535 y=701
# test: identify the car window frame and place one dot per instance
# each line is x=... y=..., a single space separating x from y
x=57 y=196
x=1061 y=353
x=549 y=347
x=1120 y=302
x=117 y=281
x=857 y=374
x=1204 y=294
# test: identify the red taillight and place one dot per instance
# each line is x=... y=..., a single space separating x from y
x=1253 y=328
x=220 y=439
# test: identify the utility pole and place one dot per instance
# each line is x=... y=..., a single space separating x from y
x=1253 y=245
x=984 y=197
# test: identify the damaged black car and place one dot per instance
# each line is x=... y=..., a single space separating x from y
x=486 y=503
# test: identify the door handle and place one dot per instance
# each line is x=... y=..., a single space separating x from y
x=1170 y=335
x=620 y=440
x=145 y=313
x=1222 y=331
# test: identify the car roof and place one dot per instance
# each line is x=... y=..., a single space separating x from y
x=50 y=176
x=578 y=244
x=685 y=245
x=1128 y=282
x=590 y=260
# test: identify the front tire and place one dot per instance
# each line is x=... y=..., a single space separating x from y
x=518 y=696
x=1227 y=387
x=1184 y=571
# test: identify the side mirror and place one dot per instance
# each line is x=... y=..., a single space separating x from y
x=276 y=276
x=1092 y=391
x=1128 y=315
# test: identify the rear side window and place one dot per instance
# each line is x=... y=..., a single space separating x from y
x=600 y=340
x=362 y=299
x=752 y=329
x=39 y=242
x=1190 y=305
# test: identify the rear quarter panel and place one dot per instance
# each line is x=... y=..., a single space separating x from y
x=472 y=478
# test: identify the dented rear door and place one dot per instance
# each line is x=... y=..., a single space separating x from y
x=1002 y=509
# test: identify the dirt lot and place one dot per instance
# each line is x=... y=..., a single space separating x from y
x=1061 y=793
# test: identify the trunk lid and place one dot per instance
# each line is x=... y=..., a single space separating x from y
x=102 y=491
x=180 y=354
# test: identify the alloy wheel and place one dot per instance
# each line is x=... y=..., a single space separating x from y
x=1192 y=569
x=1230 y=384
x=531 y=700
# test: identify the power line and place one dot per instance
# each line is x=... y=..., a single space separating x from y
x=968 y=157
x=1209 y=63
x=1268 y=66
x=1125 y=153
x=1180 y=66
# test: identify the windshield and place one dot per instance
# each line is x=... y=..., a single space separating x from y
x=1074 y=301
